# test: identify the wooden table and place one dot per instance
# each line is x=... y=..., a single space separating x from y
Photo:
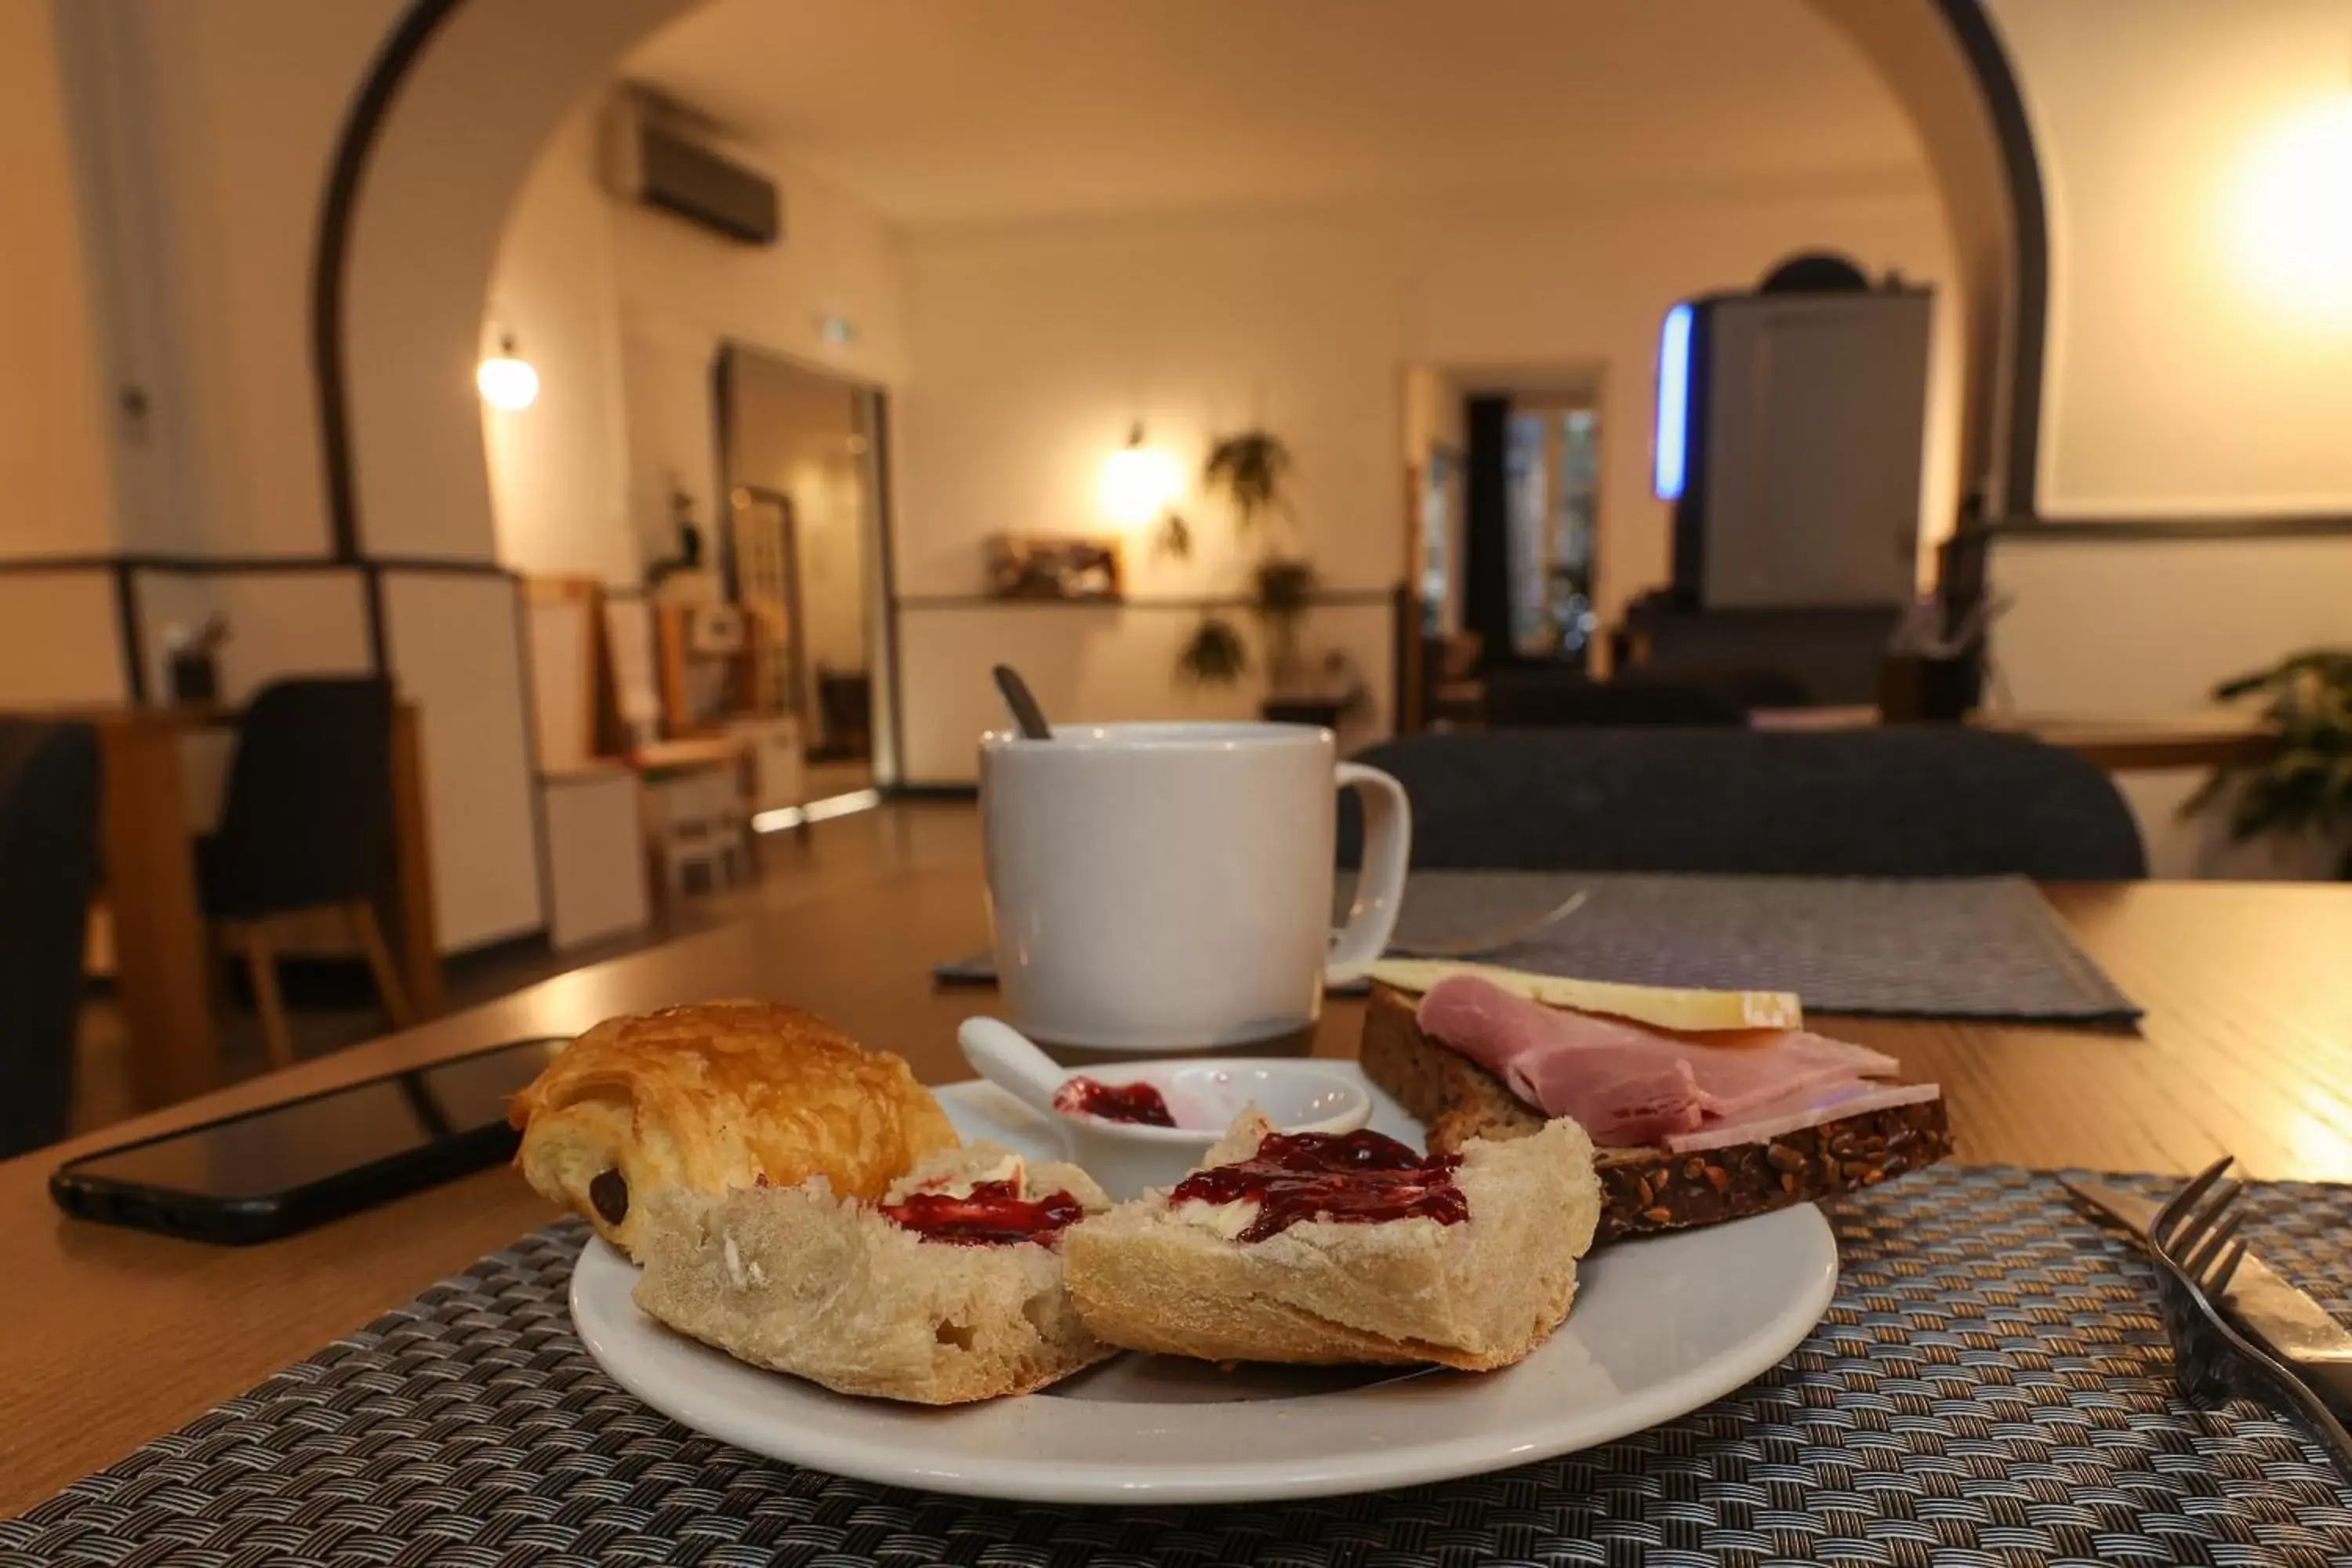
x=163 y=959
x=114 y=1336
x=2217 y=737
x=695 y=751
x=2221 y=737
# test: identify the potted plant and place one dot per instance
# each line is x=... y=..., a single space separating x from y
x=2303 y=791
x=1249 y=471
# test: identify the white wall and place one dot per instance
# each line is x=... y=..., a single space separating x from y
x=2179 y=382
x=1919 y=58
x=212 y=127
x=2147 y=627
x=2099 y=628
x=1099 y=662
x=629 y=307
x=684 y=292
x=560 y=469
x=455 y=641
x=453 y=160
x=59 y=494
x=1035 y=346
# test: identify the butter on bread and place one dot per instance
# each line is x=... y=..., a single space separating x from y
x=828 y=1288
x=1664 y=1007
x=713 y=1096
x=1476 y=1295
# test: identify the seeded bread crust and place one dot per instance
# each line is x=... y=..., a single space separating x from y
x=1644 y=1191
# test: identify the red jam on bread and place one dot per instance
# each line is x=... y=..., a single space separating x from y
x=1352 y=1178
x=993 y=1215
x=1136 y=1102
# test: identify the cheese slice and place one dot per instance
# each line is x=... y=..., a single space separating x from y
x=1664 y=1007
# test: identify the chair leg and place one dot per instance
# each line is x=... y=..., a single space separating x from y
x=261 y=964
x=362 y=914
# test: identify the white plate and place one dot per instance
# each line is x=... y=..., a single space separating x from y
x=1660 y=1328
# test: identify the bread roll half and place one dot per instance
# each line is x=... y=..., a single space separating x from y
x=797 y=1280
x=1479 y=1294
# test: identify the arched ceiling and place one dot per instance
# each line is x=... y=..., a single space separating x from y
x=939 y=112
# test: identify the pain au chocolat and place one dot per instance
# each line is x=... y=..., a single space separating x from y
x=714 y=1095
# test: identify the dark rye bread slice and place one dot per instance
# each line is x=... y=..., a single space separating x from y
x=1648 y=1190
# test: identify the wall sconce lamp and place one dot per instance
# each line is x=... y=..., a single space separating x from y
x=506 y=379
x=2294 y=217
x=1138 y=483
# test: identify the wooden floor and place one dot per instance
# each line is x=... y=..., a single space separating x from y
x=343 y=1012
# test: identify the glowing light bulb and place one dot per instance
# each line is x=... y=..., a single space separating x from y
x=1138 y=483
x=2293 y=215
x=506 y=379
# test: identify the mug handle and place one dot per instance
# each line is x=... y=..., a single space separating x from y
x=1379 y=882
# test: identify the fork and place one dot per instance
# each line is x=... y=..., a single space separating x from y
x=2194 y=1240
x=1495 y=939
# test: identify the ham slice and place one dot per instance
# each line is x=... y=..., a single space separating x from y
x=1807 y=1108
x=1630 y=1084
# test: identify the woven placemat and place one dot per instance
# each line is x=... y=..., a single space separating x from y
x=1991 y=1386
x=1987 y=947
x=1984 y=947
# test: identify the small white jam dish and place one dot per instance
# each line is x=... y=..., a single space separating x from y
x=1203 y=1095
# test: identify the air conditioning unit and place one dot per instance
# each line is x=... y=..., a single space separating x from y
x=654 y=157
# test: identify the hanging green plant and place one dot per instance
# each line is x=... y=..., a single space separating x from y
x=2305 y=788
x=1286 y=591
x=1286 y=587
x=1215 y=654
x=1173 y=538
x=1248 y=470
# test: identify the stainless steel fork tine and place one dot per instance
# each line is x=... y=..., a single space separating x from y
x=2225 y=1270
x=2200 y=1263
x=2204 y=1217
x=2168 y=1226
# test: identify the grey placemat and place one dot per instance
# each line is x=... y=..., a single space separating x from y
x=1955 y=948
x=1991 y=1385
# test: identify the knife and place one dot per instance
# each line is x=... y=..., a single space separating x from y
x=2291 y=1325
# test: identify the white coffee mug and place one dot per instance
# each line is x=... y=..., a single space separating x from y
x=1165 y=886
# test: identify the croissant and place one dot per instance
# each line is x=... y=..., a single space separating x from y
x=713 y=1096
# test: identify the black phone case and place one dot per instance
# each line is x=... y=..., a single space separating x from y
x=241 y=1222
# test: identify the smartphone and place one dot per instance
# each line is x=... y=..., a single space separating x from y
x=279 y=1169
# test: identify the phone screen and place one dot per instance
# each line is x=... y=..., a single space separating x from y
x=283 y=1147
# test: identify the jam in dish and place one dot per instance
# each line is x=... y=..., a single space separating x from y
x=994 y=1215
x=1355 y=1178
x=1137 y=1102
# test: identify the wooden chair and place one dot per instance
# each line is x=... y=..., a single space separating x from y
x=307 y=826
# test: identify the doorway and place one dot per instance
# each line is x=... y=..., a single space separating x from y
x=1532 y=498
x=801 y=553
x=1551 y=458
